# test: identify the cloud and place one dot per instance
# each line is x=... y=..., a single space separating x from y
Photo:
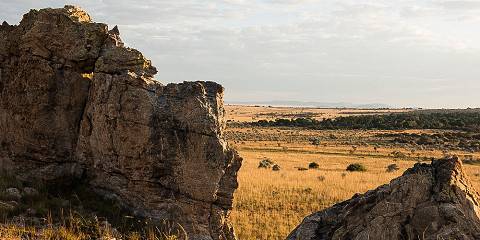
x=328 y=50
x=460 y=5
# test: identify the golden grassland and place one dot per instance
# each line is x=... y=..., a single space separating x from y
x=77 y=227
x=270 y=204
x=242 y=113
x=16 y=232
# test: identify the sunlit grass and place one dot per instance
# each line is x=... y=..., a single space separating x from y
x=269 y=204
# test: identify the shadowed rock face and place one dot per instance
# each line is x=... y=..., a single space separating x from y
x=434 y=201
x=75 y=104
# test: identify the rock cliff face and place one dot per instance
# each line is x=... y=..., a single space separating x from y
x=76 y=104
x=433 y=201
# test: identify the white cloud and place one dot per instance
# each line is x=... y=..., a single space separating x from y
x=329 y=50
x=460 y=5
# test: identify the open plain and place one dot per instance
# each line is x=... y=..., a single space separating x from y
x=269 y=204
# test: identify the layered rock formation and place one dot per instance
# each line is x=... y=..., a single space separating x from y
x=434 y=201
x=76 y=104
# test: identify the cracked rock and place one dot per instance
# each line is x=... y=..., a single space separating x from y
x=77 y=105
x=435 y=201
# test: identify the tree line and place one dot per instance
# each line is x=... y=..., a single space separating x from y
x=453 y=120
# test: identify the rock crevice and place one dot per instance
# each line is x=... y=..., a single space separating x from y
x=75 y=103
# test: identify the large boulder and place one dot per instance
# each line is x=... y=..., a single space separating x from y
x=77 y=105
x=435 y=201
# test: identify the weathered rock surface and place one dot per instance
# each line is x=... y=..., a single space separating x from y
x=75 y=104
x=434 y=201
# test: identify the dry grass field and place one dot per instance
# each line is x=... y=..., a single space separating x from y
x=269 y=204
x=241 y=113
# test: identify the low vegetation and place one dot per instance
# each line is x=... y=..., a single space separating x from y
x=313 y=165
x=392 y=168
x=466 y=141
x=73 y=213
x=452 y=120
x=356 y=167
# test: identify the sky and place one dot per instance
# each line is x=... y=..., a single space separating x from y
x=419 y=53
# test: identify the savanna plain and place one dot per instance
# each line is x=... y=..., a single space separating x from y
x=290 y=172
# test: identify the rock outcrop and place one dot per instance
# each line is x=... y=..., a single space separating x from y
x=434 y=201
x=77 y=105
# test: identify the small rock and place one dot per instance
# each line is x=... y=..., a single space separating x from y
x=13 y=203
x=30 y=192
x=19 y=220
x=65 y=203
x=31 y=212
x=6 y=207
x=13 y=194
x=265 y=163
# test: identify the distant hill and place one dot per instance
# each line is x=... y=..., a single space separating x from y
x=313 y=104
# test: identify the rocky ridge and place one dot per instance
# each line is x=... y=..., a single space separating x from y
x=429 y=201
x=77 y=105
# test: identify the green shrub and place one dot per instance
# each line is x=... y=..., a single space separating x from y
x=356 y=167
x=313 y=165
x=315 y=141
x=276 y=167
x=398 y=154
x=466 y=120
x=392 y=168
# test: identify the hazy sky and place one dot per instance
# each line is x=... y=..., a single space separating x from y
x=423 y=53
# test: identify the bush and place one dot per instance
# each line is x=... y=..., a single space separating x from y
x=356 y=167
x=398 y=154
x=276 y=167
x=313 y=165
x=392 y=168
x=315 y=141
